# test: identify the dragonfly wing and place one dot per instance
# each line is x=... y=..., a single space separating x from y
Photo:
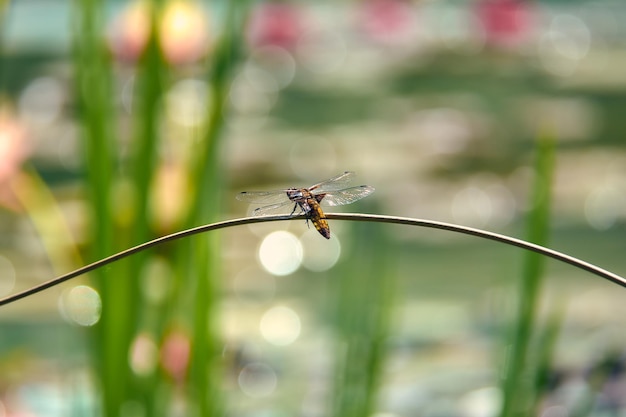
x=264 y=197
x=278 y=208
x=346 y=196
x=335 y=183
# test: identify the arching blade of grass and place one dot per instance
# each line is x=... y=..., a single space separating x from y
x=355 y=217
x=518 y=390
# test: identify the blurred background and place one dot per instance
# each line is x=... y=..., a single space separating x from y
x=124 y=121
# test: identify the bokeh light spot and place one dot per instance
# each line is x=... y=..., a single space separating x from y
x=259 y=79
x=604 y=206
x=280 y=253
x=319 y=254
x=567 y=41
x=257 y=380
x=472 y=206
x=481 y=402
x=250 y=103
x=81 y=305
x=280 y=326
x=187 y=102
x=155 y=279
x=570 y=36
x=184 y=31
x=41 y=102
x=143 y=355
x=322 y=51
x=447 y=130
x=275 y=61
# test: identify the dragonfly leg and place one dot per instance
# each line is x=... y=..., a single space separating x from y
x=303 y=208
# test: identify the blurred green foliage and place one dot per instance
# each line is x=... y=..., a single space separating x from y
x=385 y=284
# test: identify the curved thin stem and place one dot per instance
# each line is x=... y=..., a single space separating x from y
x=617 y=279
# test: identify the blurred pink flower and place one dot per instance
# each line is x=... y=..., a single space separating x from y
x=387 y=20
x=128 y=33
x=276 y=24
x=506 y=23
x=175 y=355
x=183 y=31
x=14 y=150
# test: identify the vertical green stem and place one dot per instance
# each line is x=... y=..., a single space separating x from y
x=143 y=164
x=205 y=252
x=363 y=317
x=518 y=390
x=149 y=91
x=93 y=91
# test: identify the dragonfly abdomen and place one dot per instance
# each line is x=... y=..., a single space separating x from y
x=318 y=218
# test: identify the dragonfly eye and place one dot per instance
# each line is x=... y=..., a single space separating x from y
x=294 y=194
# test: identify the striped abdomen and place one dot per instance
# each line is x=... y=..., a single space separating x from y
x=317 y=217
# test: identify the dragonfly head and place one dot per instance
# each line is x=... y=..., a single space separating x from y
x=294 y=193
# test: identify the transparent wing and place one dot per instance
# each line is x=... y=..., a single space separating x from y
x=346 y=196
x=279 y=208
x=264 y=197
x=335 y=183
x=335 y=191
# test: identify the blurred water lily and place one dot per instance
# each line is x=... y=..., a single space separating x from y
x=183 y=31
x=276 y=24
x=175 y=355
x=128 y=33
x=14 y=150
x=506 y=23
x=387 y=20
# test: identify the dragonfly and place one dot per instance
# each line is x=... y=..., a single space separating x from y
x=332 y=192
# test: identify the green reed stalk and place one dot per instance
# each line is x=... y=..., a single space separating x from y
x=519 y=392
x=149 y=85
x=201 y=268
x=544 y=356
x=362 y=320
x=94 y=92
x=119 y=290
